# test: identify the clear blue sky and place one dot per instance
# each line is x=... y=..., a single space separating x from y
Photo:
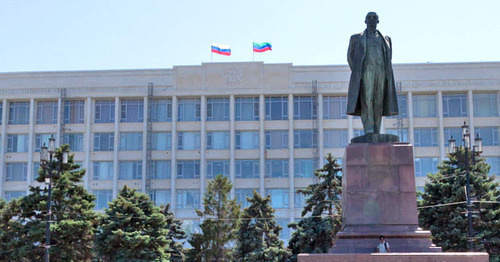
x=98 y=34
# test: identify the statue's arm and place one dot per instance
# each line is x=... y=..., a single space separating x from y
x=350 y=52
x=390 y=46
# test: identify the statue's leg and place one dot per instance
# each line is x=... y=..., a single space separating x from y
x=378 y=98
x=367 y=86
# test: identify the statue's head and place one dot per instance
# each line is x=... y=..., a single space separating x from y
x=371 y=19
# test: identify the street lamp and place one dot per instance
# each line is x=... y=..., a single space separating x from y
x=46 y=156
x=477 y=149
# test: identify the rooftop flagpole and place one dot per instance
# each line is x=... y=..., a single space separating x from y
x=253 y=52
x=211 y=55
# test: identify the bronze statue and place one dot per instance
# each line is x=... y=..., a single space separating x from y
x=372 y=93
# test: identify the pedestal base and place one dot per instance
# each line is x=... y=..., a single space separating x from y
x=397 y=257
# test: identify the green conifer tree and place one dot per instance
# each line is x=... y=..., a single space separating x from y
x=175 y=235
x=73 y=218
x=448 y=223
x=315 y=233
x=220 y=222
x=258 y=235
x=132 y=229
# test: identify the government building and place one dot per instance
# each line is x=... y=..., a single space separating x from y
x=265 y=126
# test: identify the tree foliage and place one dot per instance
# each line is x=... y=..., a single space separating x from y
x=258 y=234
x=315 y=233
x=175 y=234
x=73 y=218
x=133 y=229
x=448 y=223
x=220 y=222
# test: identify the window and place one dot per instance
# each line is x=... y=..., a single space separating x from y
x=277 y=108
x=188 y=169
x=247 y=140
x=41 y=139
x=161 y=110
x=424 y=106
x=36 y=169
x=188 y=199
x=335 y=138
x=490 y=135
x=74 y=140
x=9 y=195
x=277 y=139
x=424 y=165
x=189 y=109
x=285 y=230
x=46 y=112
x=247 y=109
x=17 y=143
x=188 y=140
x=304 y=139
x=130 y=141
x=104 y=141
x=494 y=163
x=299 y=199
x=103 y=170
x=217 y=167
x=426 y=137
x=358 y=132
x=247 y=168
x=74 y=111
x=279 y=197
x=456 y=132
x=16 y=172
x=454 y=105
x=130 y=170
x=304 y=168
x=161 y=141
x=304 y=107
x=102 y=198
x=19 y=113
x=217 y=140
x=277 y=168
x=402 y=133
x=402 y=106
x=485 y=104
x=217 y=109
x=241 y=195
x=334 y=107
x=132 y=110
x=161 y=197
x=104 y=111
x=161 y=169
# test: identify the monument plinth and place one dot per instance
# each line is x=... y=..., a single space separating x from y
x=379 y=198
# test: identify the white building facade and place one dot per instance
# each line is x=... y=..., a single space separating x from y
x=265 y=126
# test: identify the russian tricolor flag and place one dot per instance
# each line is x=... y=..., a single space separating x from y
x=221 y=49
x=263 y=47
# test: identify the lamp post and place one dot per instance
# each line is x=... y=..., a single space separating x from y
x=476 y=149
x=46 y=156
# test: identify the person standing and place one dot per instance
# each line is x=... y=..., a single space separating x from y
x=383 y=246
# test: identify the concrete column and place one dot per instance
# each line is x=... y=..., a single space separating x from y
x=262 y=143
x=145 y=146
x=59 y=122
x=173 y=163
x=116 y=147
x=320 y=132
x=470 y=100
x=291 y=162
x=410 y=117
x=232 y=137
x=203 y=166
x=3 y=144
x=441 y=127
x=88 y=142
x=31 y=143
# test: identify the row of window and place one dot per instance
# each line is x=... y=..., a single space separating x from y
x=246 y=108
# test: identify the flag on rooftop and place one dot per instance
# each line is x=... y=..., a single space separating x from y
x=221 y=49
x=262 y=47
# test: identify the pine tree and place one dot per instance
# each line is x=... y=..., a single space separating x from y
x=258 y=234
x=73 y=218
x=220 y=222
x=448 y=223
x=175 y=234
x=315 y=233
x=132 y=229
